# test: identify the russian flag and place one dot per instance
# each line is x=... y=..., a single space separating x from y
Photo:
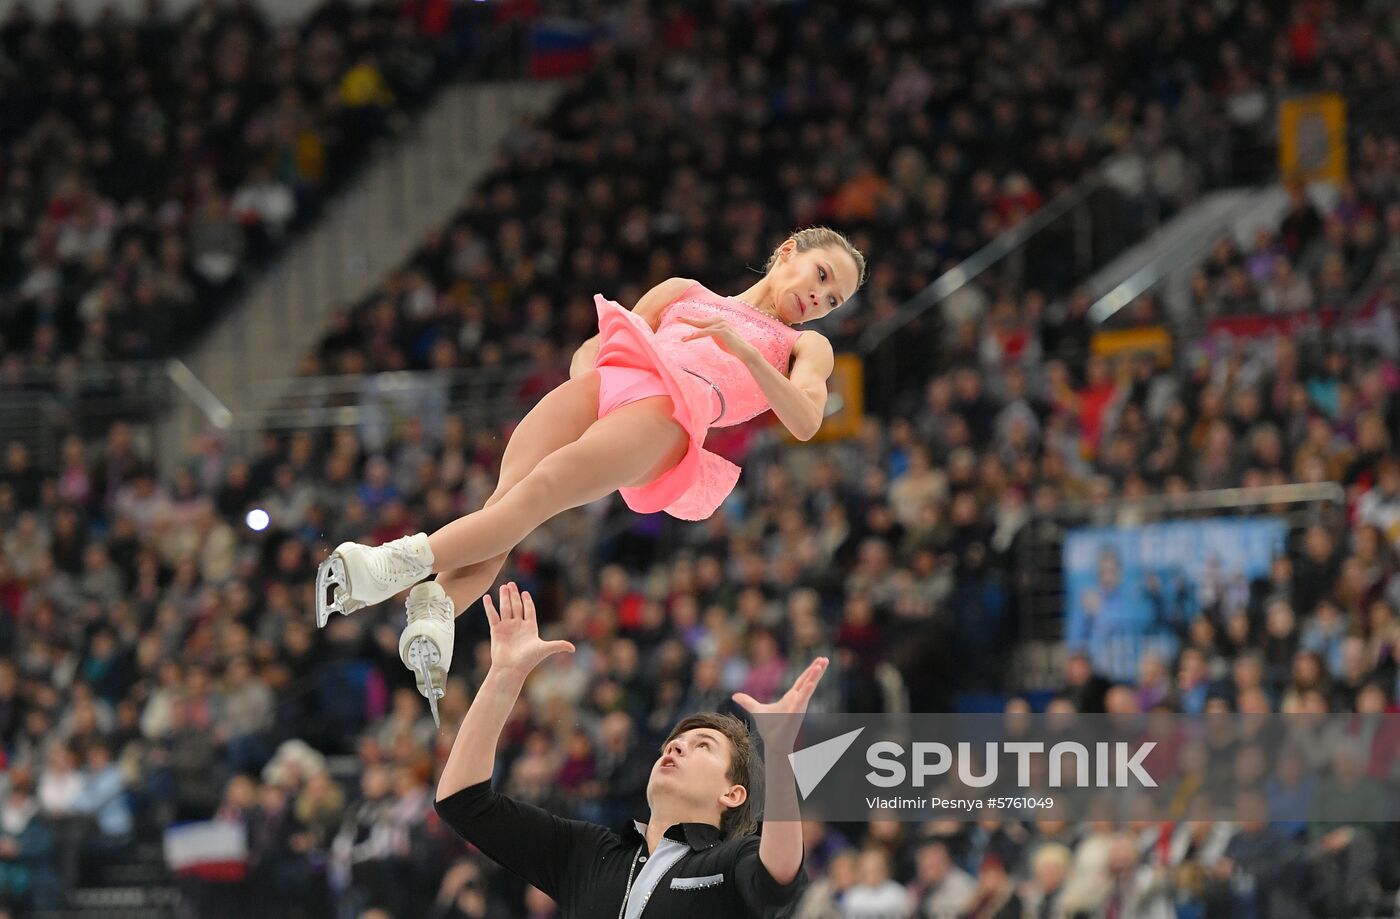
x=560 y=47
x=214 y=850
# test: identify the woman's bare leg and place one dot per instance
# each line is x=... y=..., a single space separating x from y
x=630 y=447
x=559 y=418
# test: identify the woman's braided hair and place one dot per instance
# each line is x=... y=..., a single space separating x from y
x=821 y=238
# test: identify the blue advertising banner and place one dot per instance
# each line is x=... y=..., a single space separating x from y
x=1128 y=590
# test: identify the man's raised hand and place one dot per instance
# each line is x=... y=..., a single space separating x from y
x=781 y=733
x=794 y=701
x=515 y=634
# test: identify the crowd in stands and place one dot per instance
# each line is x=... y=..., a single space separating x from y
x=705 y=132
x=1313 y=261
x=147 y=163
x=700 y=137
x=143 y=618
x=146 y=619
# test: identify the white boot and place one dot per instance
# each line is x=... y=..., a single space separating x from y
x=357 y=576
x=425 y=647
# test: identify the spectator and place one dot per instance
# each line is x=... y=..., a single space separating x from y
x=103 y=796
x=1135 y=889
x=371 y=848
x=125 y=590
x=246 y=717
x=216 y=243
x=995 y=898
x=1044 y=890
x=27 y=873
x=874 y=893
x=942 y=889
x=263 y=204
x=824 y=897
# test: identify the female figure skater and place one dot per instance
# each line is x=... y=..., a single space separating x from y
x=632 y=418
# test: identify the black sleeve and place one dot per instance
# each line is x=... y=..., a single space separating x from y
x=759 y=891
x=545 y=850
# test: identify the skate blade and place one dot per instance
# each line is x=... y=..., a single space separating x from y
x=333 y=591
x=423 y=654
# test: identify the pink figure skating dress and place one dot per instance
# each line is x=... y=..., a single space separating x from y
x=708 y=386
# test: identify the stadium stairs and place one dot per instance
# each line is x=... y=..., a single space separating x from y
x=410 y=187
x=1167 y=259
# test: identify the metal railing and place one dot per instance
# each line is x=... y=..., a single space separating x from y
x=1149 y=277
x=1071 y=207
x=1165 y=279
x=1051 y=251
x=209 y=405
x=33 y=419
x=40 y=406
x=481 y=394
x=412 y=188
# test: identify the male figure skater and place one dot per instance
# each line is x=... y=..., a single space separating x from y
x=697 y=854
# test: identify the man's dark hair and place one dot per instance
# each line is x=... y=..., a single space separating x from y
x=743 y=767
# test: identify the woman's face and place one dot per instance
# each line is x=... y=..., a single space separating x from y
x=807 y=285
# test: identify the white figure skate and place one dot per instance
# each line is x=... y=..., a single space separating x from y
x=425 y=646
x=356 y=576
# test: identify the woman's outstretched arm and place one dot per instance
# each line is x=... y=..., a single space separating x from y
x=799 y=399
x=516 y=649
x=650 y=307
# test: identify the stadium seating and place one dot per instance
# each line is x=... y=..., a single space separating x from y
x=144 y=616
x=147 y=165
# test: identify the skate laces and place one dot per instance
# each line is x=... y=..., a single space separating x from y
x=395 y=562
x=435 y=608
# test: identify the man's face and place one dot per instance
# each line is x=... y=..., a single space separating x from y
x=1247 y=673
x=693 y=767
x=933 y=864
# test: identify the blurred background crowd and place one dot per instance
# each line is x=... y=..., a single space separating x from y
x=158 y=660
x=150 y=163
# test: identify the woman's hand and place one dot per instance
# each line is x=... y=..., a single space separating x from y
x=723 y=334
x=515 y=634
x=583 y=358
